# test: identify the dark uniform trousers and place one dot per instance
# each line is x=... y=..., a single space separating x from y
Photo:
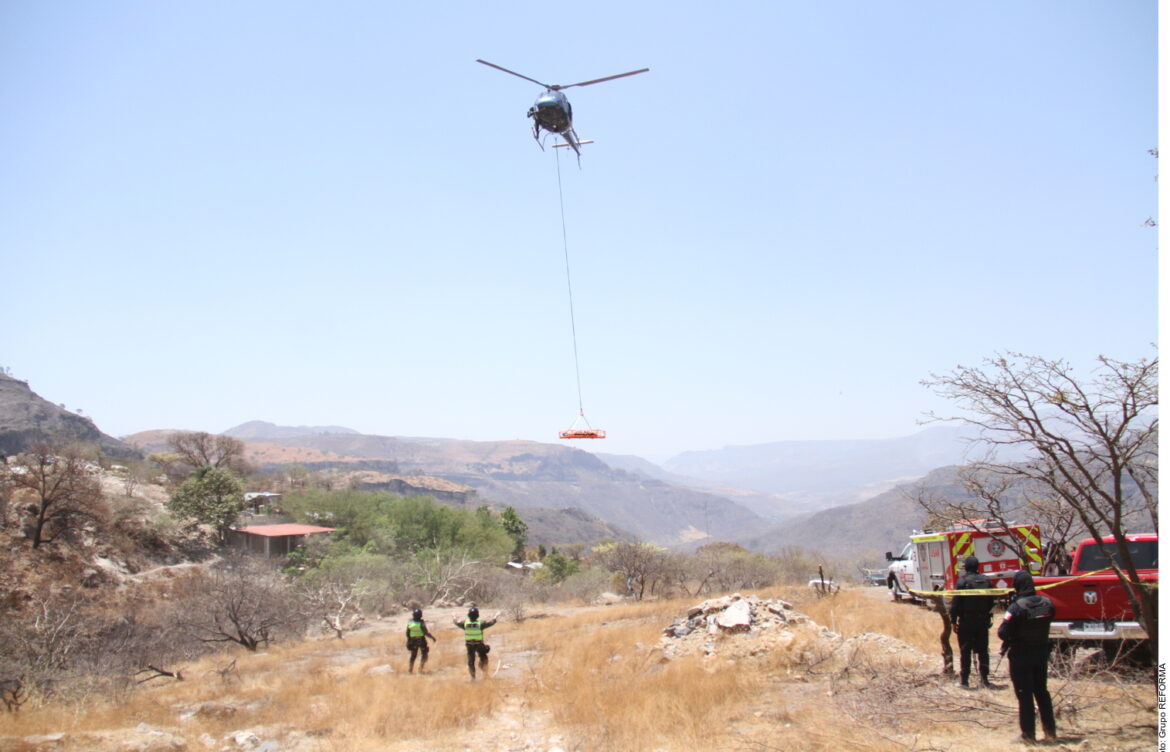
x=973 y=633
x=474 y=650
x=1029 y=672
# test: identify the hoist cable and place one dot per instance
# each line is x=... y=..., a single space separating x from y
x=569 y=282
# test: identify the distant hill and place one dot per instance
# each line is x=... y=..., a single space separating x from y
x=532 y=475
x=258 y=453
x=637 y=466
x=27 y=419
x=258 y=430
x=798 y=476
x=766 y=505
x=558 y=526
x=864 y=530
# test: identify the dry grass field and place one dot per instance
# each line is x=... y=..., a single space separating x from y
x=593 y=679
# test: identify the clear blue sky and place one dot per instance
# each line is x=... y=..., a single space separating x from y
x=327 y=213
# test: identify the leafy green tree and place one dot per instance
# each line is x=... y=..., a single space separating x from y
x=517 y=530
x=384 y=523
x=363 y=520
x=557 y=569
x=212 y=496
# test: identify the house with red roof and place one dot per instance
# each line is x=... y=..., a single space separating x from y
x=274 y=540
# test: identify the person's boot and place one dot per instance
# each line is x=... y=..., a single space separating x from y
x=1050 y=733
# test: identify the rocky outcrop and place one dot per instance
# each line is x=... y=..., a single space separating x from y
x=26 y=419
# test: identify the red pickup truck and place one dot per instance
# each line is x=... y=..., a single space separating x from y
x=1095 y=610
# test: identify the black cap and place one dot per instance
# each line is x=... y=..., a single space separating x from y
x=971 y=564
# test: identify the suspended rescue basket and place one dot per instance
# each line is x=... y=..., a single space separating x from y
x=582 y=430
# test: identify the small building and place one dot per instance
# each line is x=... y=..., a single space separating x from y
x=274 y=540
x=260 y=501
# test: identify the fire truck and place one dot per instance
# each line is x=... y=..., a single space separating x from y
x=933 y=561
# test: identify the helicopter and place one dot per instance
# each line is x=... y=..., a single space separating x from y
x=552 y=110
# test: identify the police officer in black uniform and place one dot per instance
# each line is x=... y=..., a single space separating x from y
x=1024 y=632
x=971 y=615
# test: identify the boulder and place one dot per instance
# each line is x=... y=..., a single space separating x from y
x=737 y=617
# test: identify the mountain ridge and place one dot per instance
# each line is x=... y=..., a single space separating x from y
x=27 y=419
x=530 y=475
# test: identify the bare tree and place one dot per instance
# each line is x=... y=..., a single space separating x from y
x=1092 y=444
x=681 y=570
x=445 y=574
x=201 y=449
x=335 y=602
x=52 y=632
x=991 y=501
x=63 y=489
x=639 y=563
x=245 y=602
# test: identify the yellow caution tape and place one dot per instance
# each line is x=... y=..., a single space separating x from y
x=1004 y=591
x=952 y=593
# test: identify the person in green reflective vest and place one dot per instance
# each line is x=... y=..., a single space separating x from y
x=473 y=636
x=416 y=639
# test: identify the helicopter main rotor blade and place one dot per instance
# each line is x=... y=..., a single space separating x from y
x=599 y=80
x=518 y=75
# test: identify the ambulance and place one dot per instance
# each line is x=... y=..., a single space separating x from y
x=933 y=561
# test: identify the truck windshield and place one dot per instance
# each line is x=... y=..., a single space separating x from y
x=1145 y=555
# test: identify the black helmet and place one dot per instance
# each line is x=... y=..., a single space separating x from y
x=473 y=613
x=971 y=564
x=416 y=614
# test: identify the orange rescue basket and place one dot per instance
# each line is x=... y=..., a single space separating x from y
x=576 y=431
x=582 y=434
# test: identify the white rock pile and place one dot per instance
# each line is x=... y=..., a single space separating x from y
x=736 y=627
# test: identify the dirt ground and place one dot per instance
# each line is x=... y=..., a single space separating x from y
x=801 y=686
